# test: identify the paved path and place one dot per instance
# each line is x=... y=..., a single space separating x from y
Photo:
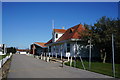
x=23 y=66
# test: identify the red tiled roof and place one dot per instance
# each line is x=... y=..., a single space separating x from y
x=59 y=30
x=41 y=44
x=72 y=33
x=50 y=41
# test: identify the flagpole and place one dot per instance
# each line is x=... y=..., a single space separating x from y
x=52 y=35
x=52 y=24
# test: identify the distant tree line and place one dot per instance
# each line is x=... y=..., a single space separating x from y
x=11 y=50
x=101 y=36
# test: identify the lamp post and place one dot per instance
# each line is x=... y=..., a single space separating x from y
x=89 y=41
x=75 y=54
x=113 y=62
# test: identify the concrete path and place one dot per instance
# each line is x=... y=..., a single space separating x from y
x=23 y=66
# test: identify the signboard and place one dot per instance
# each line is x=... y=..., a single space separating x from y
x=67 y=54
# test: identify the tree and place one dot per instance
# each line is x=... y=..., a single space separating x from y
x=11 y=50
x=100 y=34
x=102 y=31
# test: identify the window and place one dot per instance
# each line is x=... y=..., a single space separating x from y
x=70 y=31
x=68 y=47
x=49 y=48
x=57 y=49
x=53 y=48
x=0 y=49
x=56 y=35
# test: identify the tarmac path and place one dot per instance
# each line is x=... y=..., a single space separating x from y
x=23 y=66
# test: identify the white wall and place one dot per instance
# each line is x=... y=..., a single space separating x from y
x=54 y=36
x=0 y=45
x=23 y=53
x=4 y=60
x=84 y=52
x=64 y=50
x=1 y=53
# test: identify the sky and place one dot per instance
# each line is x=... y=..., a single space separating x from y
x=24 y=23
x=0 y=22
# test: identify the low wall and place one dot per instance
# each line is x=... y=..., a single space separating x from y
x=4 y=60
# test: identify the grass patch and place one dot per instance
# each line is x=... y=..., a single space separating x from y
x=3 y=56
x=99 y=67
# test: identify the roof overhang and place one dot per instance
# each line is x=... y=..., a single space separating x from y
x=59 y=32
x=61 y=42
x=40 y=45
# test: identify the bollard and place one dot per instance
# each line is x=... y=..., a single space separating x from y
x=41 y=56
x=47 y=59
x=49 y=56
x=62 y=62
x=44 y=57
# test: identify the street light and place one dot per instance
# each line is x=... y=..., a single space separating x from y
x=89 y=41
x=113 y=62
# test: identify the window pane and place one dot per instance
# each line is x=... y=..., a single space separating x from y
x=68 y=47
x=56 y=35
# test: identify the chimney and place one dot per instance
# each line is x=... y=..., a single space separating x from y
x=63 y=27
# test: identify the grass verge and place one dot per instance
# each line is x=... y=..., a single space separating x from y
x=3 y=56
x=98 y=67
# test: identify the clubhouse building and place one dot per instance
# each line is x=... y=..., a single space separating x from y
x=66 y=43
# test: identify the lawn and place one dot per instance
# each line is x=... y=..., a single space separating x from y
x=99 y=67
x=3 y=56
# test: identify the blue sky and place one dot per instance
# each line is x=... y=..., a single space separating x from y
x=28 y=22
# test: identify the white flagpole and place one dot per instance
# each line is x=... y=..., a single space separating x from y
x=53 y=24
x=52 y=36
x=113 y=63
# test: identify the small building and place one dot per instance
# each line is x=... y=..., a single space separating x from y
x=22 y=51
x=38 y=48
